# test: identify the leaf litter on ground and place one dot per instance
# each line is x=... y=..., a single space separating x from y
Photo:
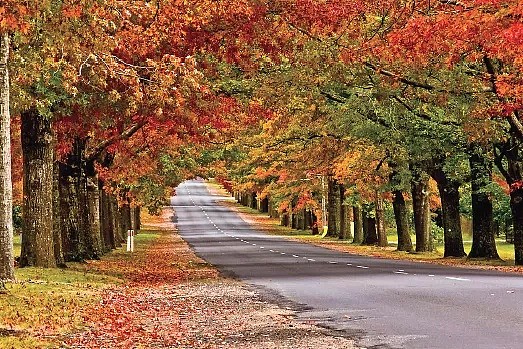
x=173 y=299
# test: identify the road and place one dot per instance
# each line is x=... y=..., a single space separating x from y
x=381 y=303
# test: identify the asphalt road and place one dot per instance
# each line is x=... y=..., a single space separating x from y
x=382 y=303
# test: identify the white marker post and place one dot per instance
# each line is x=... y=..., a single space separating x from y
x=130 y=240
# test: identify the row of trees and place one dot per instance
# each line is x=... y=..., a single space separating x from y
x=109 y=107
x=378 y=98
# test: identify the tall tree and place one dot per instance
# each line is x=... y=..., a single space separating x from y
x=38 y=233
x=6 y=195
x=402 y=221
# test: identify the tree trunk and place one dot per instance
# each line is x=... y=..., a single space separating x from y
x=294 y=216
x=380 y=222
x=307 y=219
x=68 y=213
x=37 y=223
x=93 y=205
x=115 y=221
x=314 y=224
x=125 y=220
x=107 y=221
x=516 y=205
x=420 y=205
x=449 y=194
x=483 y=239
x=342 y=232
x=57 y=218
x=334 y=208
x=264 y=205
x=137 y=222
x=6 y=188
x=358 y=225
x=253 y=201
x=402 y=221
x=273 y=211
x=370 y=235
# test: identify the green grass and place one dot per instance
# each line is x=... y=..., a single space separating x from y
x=50 y=300
x=17 y=245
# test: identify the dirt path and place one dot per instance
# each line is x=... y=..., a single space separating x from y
x=175 y=300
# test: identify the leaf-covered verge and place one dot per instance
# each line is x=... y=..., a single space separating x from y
x=161 y=296
x=272 y=226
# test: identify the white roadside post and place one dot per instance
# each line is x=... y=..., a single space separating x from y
x=130 y=240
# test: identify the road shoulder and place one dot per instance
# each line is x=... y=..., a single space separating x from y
x=172 y=298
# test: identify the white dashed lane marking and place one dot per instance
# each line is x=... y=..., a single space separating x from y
x=456 y=278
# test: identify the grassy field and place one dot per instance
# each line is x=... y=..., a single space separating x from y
x=271 y=225
x=44 y=304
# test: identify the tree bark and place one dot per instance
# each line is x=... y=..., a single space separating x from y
x=358 y=225
x=334 y=208
x=308 y=219
x=37 y=223
x=342 y=232
x=125 y=220
x=264 y=205
x=402 y=221
x=370 y=235
x=516 y=205
x=483 y=239
x=107 y=221
x=253 y=201
x=449 y=194
x=137 y=222
x=57 y=218
x=314 y=224
x=6 y=188
x=115 y=221
x=293 y=216
x=420 y=205
x=93 y=204
x=380 y=222
x=68 y=213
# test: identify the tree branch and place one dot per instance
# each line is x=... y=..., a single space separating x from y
x=333 y=98
x=419 y=84
x=513 y=118
x=126 y=134
x=399 y=78
x=423 y=115
x=498 y=160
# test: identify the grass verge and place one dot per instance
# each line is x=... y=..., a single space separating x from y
x=44 y=304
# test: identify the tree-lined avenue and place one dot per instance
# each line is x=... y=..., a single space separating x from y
x=385 y=303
